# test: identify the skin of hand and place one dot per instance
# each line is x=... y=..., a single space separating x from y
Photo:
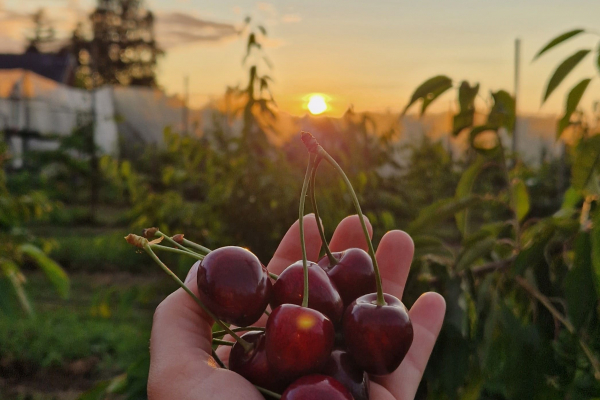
x=181 y=364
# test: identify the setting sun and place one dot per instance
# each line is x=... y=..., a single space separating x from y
x=317 y=104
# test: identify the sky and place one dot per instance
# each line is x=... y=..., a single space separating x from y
x=368 y=54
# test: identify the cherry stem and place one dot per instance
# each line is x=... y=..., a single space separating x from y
x=321 y=151
x=246 y=328
x=247 y=346
x=218 y=360
x=311 y=163
x=260 y=389
x=177 y=251
x=196 y=246
x=223 y=342
x=313 y=200
x=174 y=243
x=273 y=276
x=267 y=313
x=268 y=392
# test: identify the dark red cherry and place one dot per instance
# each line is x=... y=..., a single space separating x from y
x=253 y=365
x=353 y=275
x=322 y=295
x=234 y=285
x=377 y=337
x=316 y=387
x=299 y=340
x=343 y=369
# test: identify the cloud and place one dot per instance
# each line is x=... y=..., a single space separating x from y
x=175 y=29
x=16 y=26
x=268 y=8
x=291 y=18
x=237 y=10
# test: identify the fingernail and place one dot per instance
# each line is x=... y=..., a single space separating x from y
x=192 y=273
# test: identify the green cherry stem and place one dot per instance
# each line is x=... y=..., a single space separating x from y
x=244 y=329
x=218 y=360
x=247 y=346
x=315 y=148
x=273 y=276
x=313 y=200
x=196 y=246
x=260 y=389
x=223 y=342
x=174 y=243
x=268 y=392
x=309 y=168
x=177 y=251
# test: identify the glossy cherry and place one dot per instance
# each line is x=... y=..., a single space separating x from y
x=298 y=341
x=377 y=337
x=343 y=369
x=253 y=365
x=234 y=285
x=353 y=275
x=316 y=387
x=323 y=295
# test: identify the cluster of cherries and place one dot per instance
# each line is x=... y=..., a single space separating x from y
x=331 y=325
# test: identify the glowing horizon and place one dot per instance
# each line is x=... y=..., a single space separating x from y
x=369 y=57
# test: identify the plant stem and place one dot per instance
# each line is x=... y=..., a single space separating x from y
x=273 y=276
x=177 y=251
x=330 y=160
x=223 y=342
x=260 y=389
x=268 y=392
x=174 y=243
x=218 y=360
x=313 y=200
x=247 y=346
x=196 y=246
x=311 y=163
x=244 y=329
x=564 y=320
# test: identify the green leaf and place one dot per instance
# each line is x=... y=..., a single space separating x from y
x=474 y=252
x=558 y=40
x=585 y=163
x=429 y=86
x=55 y=274
x=519 y=198
x=563 y=70
x=431 y=96
x=573 y=100
x=11 y=271
x=503 y=111
x=466 y=101
x=595 y=239
x=579 y=282
x=464 y=189
x=484 y=150
x=439 y=211
x=536 y=238
x=571 y=199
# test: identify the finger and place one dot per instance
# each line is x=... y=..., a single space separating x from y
x=427 y=316
x=394 y=256
x=289 y=250
x=349 y=234
x=179 y=323
x=181 y=334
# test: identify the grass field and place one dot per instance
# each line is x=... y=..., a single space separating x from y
x=71 y=344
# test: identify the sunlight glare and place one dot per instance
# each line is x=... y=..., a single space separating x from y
x=316 y=104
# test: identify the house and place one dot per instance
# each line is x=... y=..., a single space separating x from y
x=57 y=67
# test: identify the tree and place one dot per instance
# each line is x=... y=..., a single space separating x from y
x=122 y=49
x=43 y=32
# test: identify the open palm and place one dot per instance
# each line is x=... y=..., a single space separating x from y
x=181 y=365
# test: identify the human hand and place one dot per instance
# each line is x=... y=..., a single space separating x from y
x=181 y=364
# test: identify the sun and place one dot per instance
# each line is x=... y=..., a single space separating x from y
x=317 y=104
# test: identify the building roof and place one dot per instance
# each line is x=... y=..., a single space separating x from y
x=59 y=68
